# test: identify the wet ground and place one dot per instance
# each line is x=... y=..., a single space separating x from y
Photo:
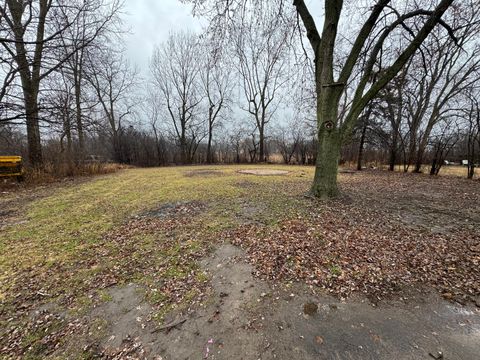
x=249 y=319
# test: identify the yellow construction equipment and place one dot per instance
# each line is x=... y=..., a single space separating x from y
x=11 y=166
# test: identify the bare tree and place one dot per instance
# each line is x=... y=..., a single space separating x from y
x=217 y=85
x=235 y=138
x=30 y=36
x=331 y=132
x=472 y=115
x=442 y=143
x=154 y=113
x=364 y=122
x=8 y=105
x=60 y=108
x=390 y=105
x=175 y=67
x=440 y=73
x=261 y=46
x=335 y=122
x=113 y=81
x=288 y=137
x=76 y=41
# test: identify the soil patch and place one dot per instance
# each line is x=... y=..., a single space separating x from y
x=263 y=172
x=128 y=325
x=204 y=172
x=181 y=208
x=247 y=318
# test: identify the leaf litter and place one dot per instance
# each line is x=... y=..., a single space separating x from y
x=359 y=245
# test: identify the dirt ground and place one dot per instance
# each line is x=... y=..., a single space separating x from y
x=242 y=267
x=263 y=172
x=251 y=319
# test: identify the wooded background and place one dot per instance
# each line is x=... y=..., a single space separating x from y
x=243 y=90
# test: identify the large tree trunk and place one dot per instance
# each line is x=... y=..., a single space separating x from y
x=261 y=145
x=433 y=168
x=329 y=144
x=418 y=162
x=33 y=130
x=184 y=158
x=328 y=99
x=326 y=168
x=209 y=144
x=392 y=160
x=362 y=144
x=393 y=152
x=30 y=75
x=78 y=113
x=68 y=134
x=117 y=149
x=471 y=170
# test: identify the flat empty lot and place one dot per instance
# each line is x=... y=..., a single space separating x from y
x=209 y=262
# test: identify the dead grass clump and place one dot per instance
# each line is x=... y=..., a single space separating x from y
x=51 y=172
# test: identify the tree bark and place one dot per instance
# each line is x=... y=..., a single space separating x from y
x=68 y=135
x=77 y=75
x=362 y=144
x=209 y=150
x=326 y=168
x=471 y=170
x=210 y=135
x=433 y=167
x=35 y=155
x=30 y=76
x=261 y=146
x=184 y=150
x=328 y=98
x=393 y=150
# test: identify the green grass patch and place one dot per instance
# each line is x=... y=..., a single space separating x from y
x=63 y=248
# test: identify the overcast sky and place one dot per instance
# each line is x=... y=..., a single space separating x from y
x=150 y=22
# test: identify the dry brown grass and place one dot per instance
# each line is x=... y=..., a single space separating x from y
x=447 y=170
x=460 y=171
x=450 y=170
x=51 y=172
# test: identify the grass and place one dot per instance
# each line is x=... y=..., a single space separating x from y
x=63 y=224
x=63 y=248
x=70 y=242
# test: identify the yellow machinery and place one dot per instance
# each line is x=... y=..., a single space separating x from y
x=11 y=166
